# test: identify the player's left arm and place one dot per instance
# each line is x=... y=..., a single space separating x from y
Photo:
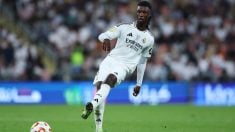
x=140 y=75
x=141 y=68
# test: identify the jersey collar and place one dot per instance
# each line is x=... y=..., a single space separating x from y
x=134 y=23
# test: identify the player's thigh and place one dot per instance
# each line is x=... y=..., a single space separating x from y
x=109 y=66
x=104 y=71
x=120 y=72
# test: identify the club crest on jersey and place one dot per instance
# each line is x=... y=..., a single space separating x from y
x=144 y=40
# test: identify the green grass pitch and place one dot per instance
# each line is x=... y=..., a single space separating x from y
x=121 y=118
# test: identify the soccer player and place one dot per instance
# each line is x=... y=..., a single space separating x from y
x=133 y=48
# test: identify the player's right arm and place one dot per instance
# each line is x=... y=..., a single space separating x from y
x=105 y=37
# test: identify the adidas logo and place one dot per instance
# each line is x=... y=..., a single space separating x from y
x=98 y=120
x=96 y=100
x=116 y=73
x=130 y=34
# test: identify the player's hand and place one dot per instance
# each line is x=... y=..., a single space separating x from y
x=136 y=90
x=106 y=45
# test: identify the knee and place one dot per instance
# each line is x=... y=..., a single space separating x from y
x=111 y=80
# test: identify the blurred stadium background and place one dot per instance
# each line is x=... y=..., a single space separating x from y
x=49 y=54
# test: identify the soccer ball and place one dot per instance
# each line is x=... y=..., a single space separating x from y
x=40 y=126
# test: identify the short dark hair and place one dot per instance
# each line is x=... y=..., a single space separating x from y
x=145 y=3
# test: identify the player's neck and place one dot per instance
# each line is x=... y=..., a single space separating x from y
x=141 y=27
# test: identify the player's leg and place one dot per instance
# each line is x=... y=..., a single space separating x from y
x=98 y=116
x=100 y=96
x=99 y=112
x=111 y=73
x=100 y=77
x=105 y=88
x=111 y=80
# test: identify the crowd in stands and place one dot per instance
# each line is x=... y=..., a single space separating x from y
x=195 y=39
x=19 y=60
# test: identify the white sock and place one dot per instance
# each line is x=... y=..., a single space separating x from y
x=101 y=95
x=98 y=116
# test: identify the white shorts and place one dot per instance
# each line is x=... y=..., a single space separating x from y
x=111 y=66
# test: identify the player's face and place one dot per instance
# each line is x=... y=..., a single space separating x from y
x=143 y=13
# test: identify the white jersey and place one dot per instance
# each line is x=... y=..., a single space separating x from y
x=132 y=44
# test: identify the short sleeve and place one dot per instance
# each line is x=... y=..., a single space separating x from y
x=112 y=33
